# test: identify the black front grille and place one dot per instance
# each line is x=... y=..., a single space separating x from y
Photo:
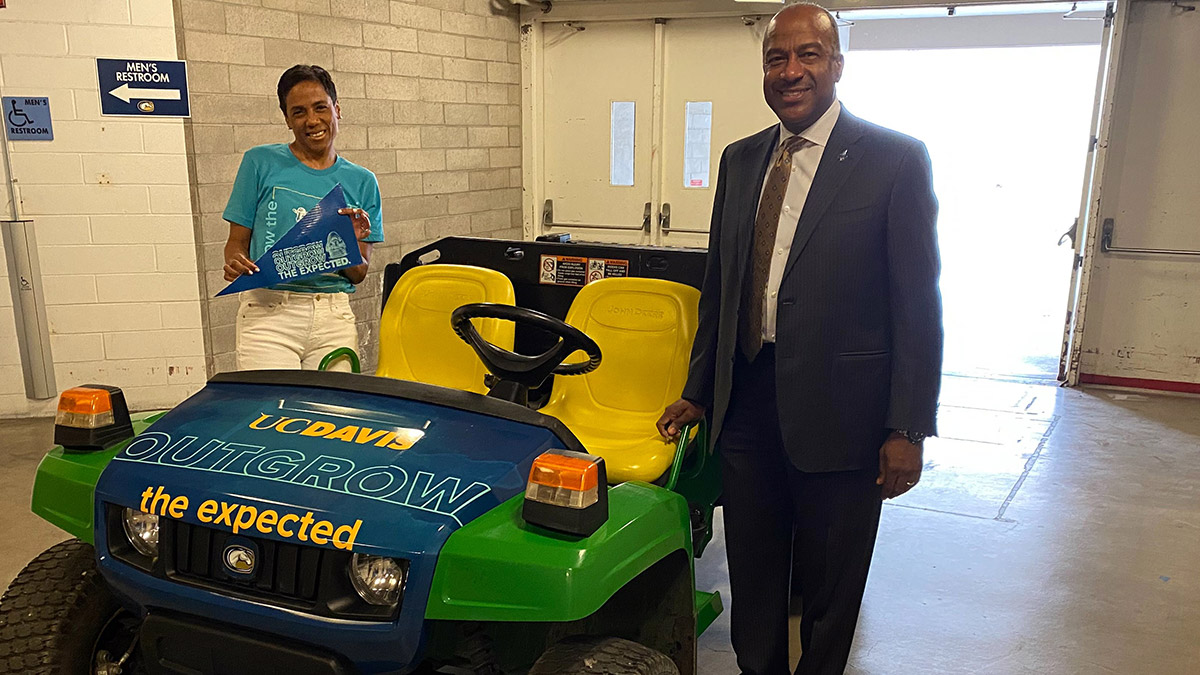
x=286 y=573
x=306 y=578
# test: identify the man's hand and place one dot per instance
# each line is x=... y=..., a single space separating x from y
x=899 y=465
x=238 y=265
x=360 y=220
x=678 y=415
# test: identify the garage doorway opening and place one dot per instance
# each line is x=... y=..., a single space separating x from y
x=1005 y=105
x=1003 y=95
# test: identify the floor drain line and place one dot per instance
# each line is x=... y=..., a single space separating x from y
x=1037 y=453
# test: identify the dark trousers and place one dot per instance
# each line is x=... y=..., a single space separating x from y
x=767 y=502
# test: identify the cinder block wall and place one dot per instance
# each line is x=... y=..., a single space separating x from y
x=109 y=201
x=430 y=95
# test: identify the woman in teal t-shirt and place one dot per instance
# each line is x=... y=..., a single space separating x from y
x=295 y=324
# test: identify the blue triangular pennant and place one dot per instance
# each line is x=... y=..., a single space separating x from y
x=322 y=241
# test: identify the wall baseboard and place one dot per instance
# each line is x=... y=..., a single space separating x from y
x=1140 y=383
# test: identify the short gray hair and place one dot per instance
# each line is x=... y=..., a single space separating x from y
x=837 y=38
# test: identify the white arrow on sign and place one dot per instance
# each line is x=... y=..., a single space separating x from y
x=125 y=93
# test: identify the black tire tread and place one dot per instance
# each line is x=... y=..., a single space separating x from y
x=602 y=656
x=39 y=610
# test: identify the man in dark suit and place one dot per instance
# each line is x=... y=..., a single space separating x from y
x=819 y=347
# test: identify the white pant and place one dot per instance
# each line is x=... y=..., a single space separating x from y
x=289 y=330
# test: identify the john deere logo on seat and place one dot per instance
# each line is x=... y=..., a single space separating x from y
x=239 y=560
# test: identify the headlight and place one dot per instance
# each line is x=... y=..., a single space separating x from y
x=142 y=530
x=378 y=580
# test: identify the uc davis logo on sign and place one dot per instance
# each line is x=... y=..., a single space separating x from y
x=335 y=246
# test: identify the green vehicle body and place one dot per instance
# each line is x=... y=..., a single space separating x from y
x=486 y=568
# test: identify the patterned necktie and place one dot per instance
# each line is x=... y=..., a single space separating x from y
x=766 y=223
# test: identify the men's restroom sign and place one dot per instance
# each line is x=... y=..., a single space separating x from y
x=139 y=88
x=27 y=118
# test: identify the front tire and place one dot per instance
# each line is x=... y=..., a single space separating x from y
x=58 y=615
x=602 y=656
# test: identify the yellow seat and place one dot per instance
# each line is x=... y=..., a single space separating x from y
x=644 y=328
x=416 y=341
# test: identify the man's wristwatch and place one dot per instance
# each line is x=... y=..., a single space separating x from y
x=914 y=437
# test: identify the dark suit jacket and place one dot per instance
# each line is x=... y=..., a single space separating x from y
x=858 y=342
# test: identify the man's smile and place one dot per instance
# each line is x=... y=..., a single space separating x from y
x=794 y=94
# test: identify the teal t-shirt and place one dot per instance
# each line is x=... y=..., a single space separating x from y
x=273 y=190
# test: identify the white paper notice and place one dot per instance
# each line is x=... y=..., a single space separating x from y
x=621 y=159
x=697 y=146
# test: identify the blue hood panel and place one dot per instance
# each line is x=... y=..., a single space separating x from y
x=387 y=473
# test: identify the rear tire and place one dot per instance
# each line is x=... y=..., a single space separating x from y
x=602 y=656
x=58 y=614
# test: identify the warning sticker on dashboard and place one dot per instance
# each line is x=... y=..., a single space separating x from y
x=562 y=270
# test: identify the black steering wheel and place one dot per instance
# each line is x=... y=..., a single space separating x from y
x=527 y=371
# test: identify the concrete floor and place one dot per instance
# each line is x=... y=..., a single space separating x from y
x=1055 y=531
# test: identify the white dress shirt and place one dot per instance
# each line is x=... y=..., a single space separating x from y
x=804 y=166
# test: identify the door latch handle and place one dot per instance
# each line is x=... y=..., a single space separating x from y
x=646 y=218
x=664 y=217
x=1069 y=234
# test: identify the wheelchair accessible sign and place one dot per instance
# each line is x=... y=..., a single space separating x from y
x=139 y=88
x=27 y=118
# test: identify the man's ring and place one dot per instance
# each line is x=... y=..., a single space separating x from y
x=910 y=484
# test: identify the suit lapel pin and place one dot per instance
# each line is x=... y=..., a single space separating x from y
x=842 y=157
